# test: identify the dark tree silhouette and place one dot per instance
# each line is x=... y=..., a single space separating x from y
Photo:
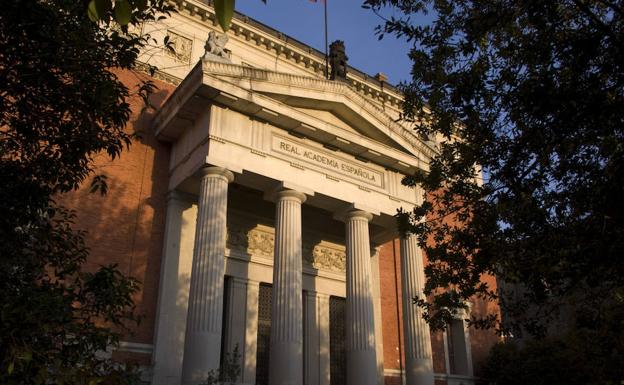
x=60 y=105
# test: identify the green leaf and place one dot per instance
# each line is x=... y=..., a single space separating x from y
x=123 y=12
x=26 y=356
x=98 y=9
x=92 y=11
x=10 y=368
x=224 y=10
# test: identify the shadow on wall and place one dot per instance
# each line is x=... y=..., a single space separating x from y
x=126 y=226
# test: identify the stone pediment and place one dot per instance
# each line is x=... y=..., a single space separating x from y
x=329 y=112
x=334 y=102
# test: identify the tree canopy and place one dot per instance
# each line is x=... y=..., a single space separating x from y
x=525 y=100
x=60 y=105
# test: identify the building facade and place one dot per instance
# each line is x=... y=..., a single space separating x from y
x=257 y=209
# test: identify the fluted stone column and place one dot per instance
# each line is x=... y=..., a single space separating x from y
x=316 y=353
x=286 y=347
x=202 y=347
x=361 y=355
x=418 y=361
x=174 y=272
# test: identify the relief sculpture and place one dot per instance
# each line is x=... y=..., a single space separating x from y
x=256 y=242
x=327 y=258
x=260 y=243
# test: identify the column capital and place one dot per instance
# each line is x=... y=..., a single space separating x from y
x=287 y=194
x=286 y=190
x=239 y=282
x=358 y=214
x=213 y=171
x=409 y=236
x=354 y=211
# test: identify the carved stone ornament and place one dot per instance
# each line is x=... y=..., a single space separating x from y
x=261 y=242
x=327 y=258
x=182 y=47
x=338 y=60
x=214 y=49
x=257 y=242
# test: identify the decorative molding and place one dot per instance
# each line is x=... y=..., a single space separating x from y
x=158 y=74
x=326 y=257
x=182 y=47
x=311 y=83
x=259 y=153
x=284 y=47
x=216 y=139
x=297 y=165
x=260 y=242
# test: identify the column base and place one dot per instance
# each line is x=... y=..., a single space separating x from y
x=362 y=367
x=202 y=353
x=419 y=372
x=286 y=364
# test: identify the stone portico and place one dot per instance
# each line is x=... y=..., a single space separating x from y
x=270 y=183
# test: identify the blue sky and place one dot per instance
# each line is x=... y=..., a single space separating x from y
x=347 y=20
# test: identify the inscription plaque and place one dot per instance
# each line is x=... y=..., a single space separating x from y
x=327 y=161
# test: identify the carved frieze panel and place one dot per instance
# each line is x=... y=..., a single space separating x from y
x=256 y=241
x=260 y=242
x=181 y=47
x=325 y=257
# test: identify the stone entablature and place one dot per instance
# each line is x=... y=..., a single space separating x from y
x=326 y=160
x=241 y=143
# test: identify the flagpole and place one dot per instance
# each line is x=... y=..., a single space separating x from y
x=326 y=45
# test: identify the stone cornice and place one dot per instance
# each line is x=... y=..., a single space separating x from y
x=310 y=83
x=288 y=48
x=231 y=86
x=159 y=74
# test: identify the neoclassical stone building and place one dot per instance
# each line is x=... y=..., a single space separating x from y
x=257 y=209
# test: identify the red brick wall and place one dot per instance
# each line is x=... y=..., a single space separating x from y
x=391 y=312
x=126 y=226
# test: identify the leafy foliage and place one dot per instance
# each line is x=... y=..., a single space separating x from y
x=224 y=9
x=229 y=371
x=532 y=93
x=60 y=104
x=122 y=11
x=585 y=355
